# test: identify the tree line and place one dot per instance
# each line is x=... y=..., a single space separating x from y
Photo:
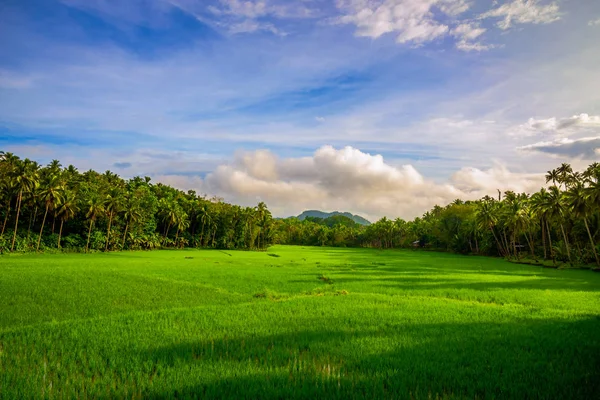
x=56 y=207
x=51 y=207
x=560 y=222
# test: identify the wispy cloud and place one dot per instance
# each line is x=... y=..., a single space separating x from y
x=524 y=12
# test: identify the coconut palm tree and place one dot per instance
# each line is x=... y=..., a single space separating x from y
x=557 y=211
x=94 y=208
x=580 y=206
x=487 y=218
x=67 y=209
x=131 y=214
x=112 y=206
x=50 y=196
x=26 y=178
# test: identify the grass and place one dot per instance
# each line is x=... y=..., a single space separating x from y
x=295 y=323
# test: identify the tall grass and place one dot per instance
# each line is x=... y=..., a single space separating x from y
x=311 y=323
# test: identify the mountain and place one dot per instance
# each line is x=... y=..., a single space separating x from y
x=320 y=214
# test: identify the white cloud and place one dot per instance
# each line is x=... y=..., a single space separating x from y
x=247 y=16
x=557 y=125
x=594 y=22
x=467 y=35
x=586 y=148
x=351 y=180
x=524 y=12
x=414 y=21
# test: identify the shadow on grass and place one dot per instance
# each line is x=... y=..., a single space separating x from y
x=546 y=359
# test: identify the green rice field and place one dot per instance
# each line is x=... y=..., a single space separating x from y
x=295 y=322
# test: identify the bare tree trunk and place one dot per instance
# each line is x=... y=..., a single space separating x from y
x=591 y=241
x=566 y=243
x=125 y=234
x=550 y=242
x=167 y=233
x=5 y=218
x=12 y=247
x=42 y=230
x=87 y=246
x=108 y=231
x=544 y=239
x=202 y=235
x=60 y=232
x=31 y=220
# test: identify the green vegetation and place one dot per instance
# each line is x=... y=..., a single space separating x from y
x=560 y=224
x=295 y=323
x=55 y=208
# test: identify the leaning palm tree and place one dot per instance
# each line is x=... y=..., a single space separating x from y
x=94 y=207
x=487 y=218
x=112 y=206
x=50 y=195
x=67 y=210
x=580 y=205
x=557 y=211
x=26 y=179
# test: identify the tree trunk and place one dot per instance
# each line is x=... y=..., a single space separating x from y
x=12 y=247
x=550 y=242
x=167 y=234
x=476 y=245
x=125 y=234
x=87 y=246
x=544 y=239
x=42 y=230
x=53 y=222
x=497 y=241
x=5 y=218
x=31 y=219
x=591 y=241
x=213 y=238
x=176 y=237
x=202 y=234
x=110 y=217
x=566 y=243
x=60 y=232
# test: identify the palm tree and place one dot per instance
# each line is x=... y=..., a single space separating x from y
x=539 y=204
x=26 y=179
x=131 y=214
x=50 y=195
x=112 y=206
x=486 y=217
x=67 y=210
x=553 y=176
x=557 y=211
x=95 y=207
x=580 y=206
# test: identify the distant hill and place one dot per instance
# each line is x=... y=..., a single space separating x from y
x=320 y=214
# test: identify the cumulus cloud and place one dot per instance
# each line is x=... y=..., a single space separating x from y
x=557 y=125
x=585 y=148
x=524 y=12
x=594 y=22
x=350 y=180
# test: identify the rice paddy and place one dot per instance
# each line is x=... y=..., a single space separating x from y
x=295 y=322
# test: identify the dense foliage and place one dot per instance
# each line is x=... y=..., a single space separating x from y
x=558 y=223
x=53 y=207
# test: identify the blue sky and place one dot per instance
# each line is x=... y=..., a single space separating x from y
x=459 y=96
